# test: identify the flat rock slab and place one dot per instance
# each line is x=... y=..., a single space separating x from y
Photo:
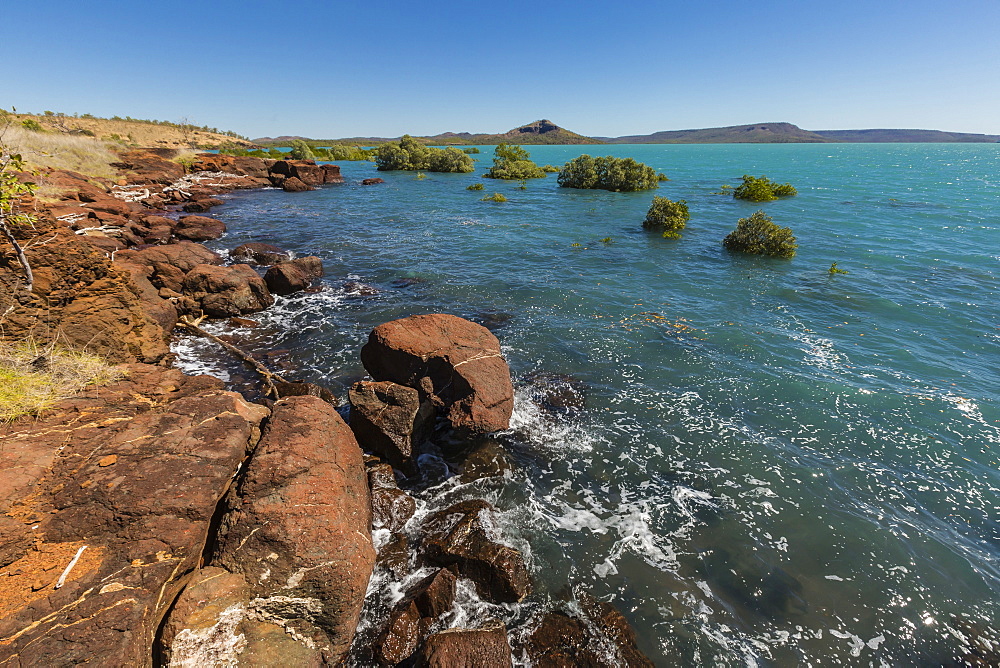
x=121 y=483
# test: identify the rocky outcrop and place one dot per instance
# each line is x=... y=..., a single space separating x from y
x=256 y=252
x=297 y=527
x=455 y=362
x=202 y=204
x=372 y=182
x=463 y=535
x=116 y=489
x=199 y=228
x=391 y=420
x=483 y=647
x=413 y=616
x=296 y=275
x=295 y=185
x=222 y=292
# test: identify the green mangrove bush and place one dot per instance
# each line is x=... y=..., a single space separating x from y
x=411 y=155
x=762 y=189
x=475 y=186
x=495 y=197
x=607 y=173
x=759 y=235
x=667 y=217
x=513 y=163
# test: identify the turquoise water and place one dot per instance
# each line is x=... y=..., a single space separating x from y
x=775 y=466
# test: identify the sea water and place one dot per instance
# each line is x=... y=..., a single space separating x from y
x=775 y=465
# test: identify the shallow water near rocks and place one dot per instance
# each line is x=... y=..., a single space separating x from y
x=773 y=465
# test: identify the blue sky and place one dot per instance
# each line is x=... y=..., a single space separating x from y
x=335 y=69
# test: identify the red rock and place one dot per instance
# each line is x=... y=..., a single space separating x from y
x=224 y=292
x=294 y=185
x=306 y=171
x=467 y=375
x=177 y=441
x=242 y=165
x=331 y=174
x=199 y=228
x=184 y=255
x=461 y=536
x=202 y=204
x=485 y=647
x=286 y=278
x=260 y=253
x=297 y=526
x=147 y=166
x=305 y=389
x=392 y=508
x=371 y=182
x=391 y=420
x=401 y=637
x=435 y=595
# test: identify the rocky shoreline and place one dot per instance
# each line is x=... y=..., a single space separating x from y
x=166 y=520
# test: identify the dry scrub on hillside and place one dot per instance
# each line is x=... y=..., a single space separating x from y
x=76 y=153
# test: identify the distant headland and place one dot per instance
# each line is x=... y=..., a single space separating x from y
x=547 y=132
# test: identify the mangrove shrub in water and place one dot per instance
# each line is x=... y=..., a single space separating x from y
x=759 y=235
x=762 y=189
x=667 y=216
x=607 y=173
x=411 y=155
x=513 y=163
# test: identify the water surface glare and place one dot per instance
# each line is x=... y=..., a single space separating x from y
x=775 y=466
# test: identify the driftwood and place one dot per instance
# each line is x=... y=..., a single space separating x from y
x=192 y=325
x=9 y=234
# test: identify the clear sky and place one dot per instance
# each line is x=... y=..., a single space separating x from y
x=381 y=68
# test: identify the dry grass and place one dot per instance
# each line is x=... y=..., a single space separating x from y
x=133 y=133
x=33 y=377
x=61 y=151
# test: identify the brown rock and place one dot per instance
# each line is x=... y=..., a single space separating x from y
x=243 y=165
x=306 y=171
x=394 y=556
x=461 y=536
x=435 y=595
x=223 y=292
x=294 y=185
x=305 y=389
x=331 y=174
x=184 y=255
x=381 y=476
x=142 y=521
x=390 y=420
x=286 y=278
x=488 y=459
x=467 y=375
x=202 y=205
x=358 y=289
x=371 y=182
x=199 y=228
x=259 y=253
x=485 y=647
x=146 y=166
x=391 y=508
x=401 y=637
x=298 y=525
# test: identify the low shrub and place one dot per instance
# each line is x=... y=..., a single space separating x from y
x=762 y=189
x=495 y=197
x=759 y=235
x=667 y=216
x=475 y=186
x=411 y=155
x=607 y=173
x=513 y=163
x=549 y=169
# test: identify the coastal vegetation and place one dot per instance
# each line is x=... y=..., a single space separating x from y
x=667 y=217
x=495 y=197
x=410 y=155
x=762 y=189
x=759 y=235
x=513 y=163
x=834 y=270
x=607 y=173
x=475 y=186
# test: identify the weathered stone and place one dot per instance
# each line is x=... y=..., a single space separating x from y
x=401 y=637
x=488 y=459
x=146 y=166
x=169 y=445
x=223 y=292
x=463 y=535
x=305 y=389
x=558 y=392
x=202 y=205
x=381 y=476
x=435 y=595
x=199 y=228
x=485 y=647
x=358 y=289
x=331 y=174
x=467 y=375
x=256 y=252
x=295 y=185
x=286 y=278
x=184 y=255
x=298 y=525
x=391 y=508
x=371 y=182
x=394 y=556
x=390 y=420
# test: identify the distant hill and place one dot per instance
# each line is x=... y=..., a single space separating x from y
x=758 y=133
x=905 y=136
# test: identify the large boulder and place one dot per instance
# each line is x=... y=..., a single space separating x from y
x=455 y=361
x=199 y=228
x=257 y=252
x=183 y=255
x=117 y=489
x=242 y=165
x=298 y=526
x=222 y=292
x=391 y=420
x=306 y=171
x=331 y=174
x=286 y=278
x=483 y=647
x=463 y=535
x=202 y=204
x=295 y=185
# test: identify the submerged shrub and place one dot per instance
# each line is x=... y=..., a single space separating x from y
x=475 y=186
x=549 y=169
x=495 y=197
x=301 y=150
x=513 y=163
x=759 y=235
x=607 y=173
x=411 y=155
x=667 y=216
x=470 y=150
x=762 y=189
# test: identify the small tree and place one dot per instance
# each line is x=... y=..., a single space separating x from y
x=513 y=163
x=759 y=235
x=410 y=155
x=762 y=189
x=11 y=191
x=607 y=173
x=667 y=216
x=301 y=150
